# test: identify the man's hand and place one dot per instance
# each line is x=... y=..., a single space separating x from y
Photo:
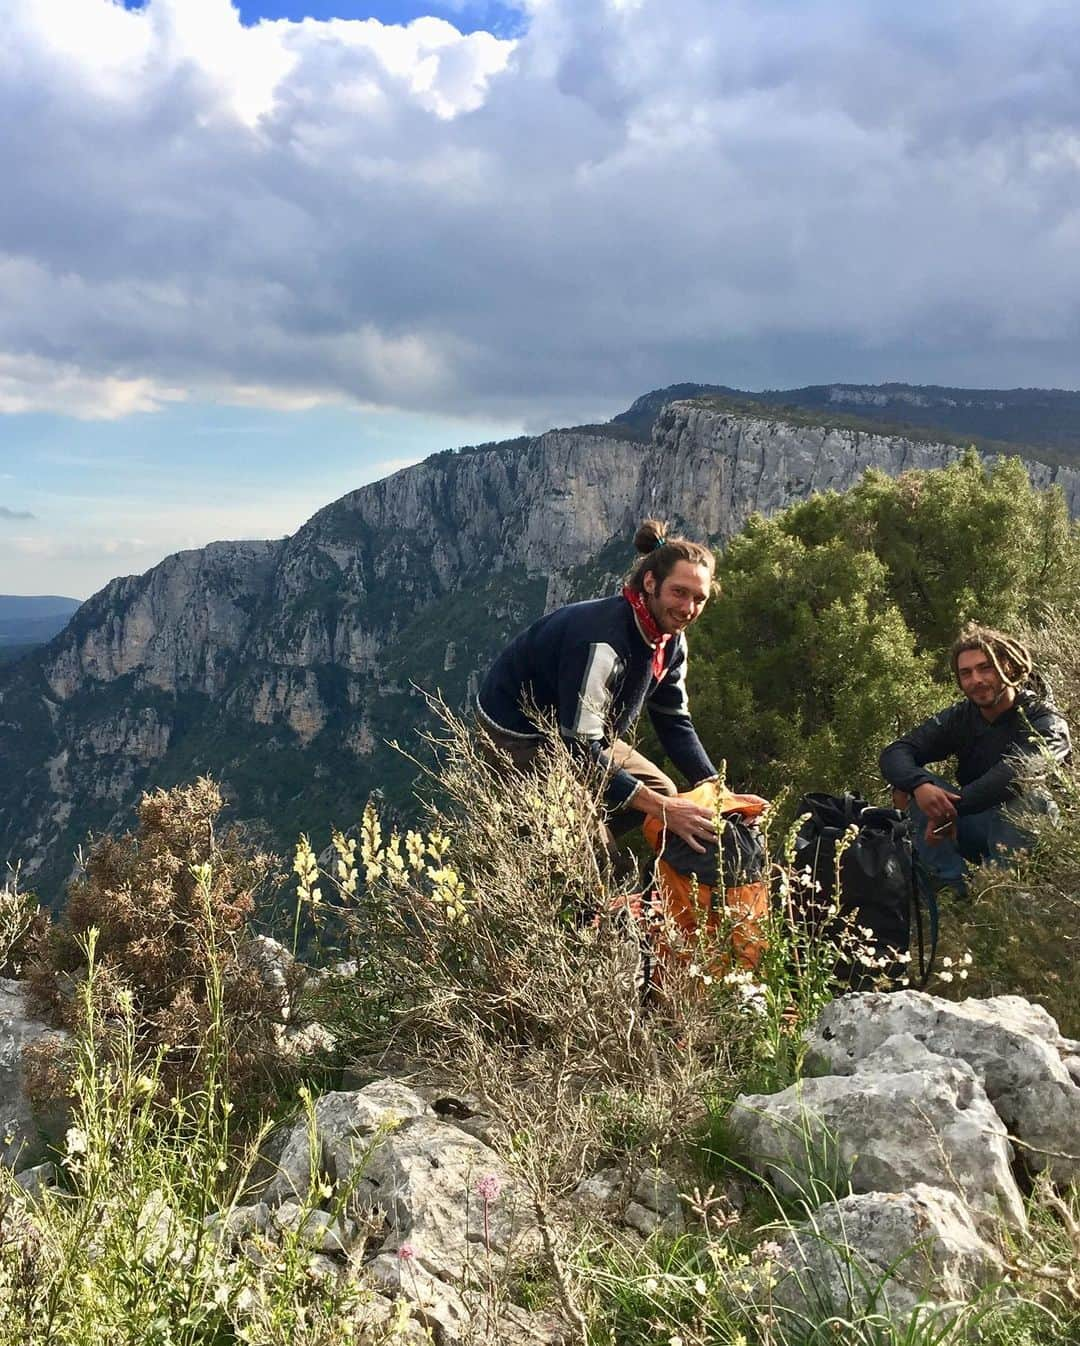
x=936 y=833
x=682 y=817
x=900 y=799
x=939 y=805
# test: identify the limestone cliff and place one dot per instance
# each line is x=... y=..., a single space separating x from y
x=282 y=667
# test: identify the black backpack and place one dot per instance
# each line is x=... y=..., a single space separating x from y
x=737 y=857
x=878 y=889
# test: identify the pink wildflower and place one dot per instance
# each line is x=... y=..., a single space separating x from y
x=488 y=1188
x=406 y=1252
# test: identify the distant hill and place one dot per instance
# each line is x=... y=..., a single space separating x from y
x=26 y=621
x=1039 y=423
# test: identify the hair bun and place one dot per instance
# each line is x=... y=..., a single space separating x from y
x=649 y=535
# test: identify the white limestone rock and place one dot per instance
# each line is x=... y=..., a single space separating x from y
x=177 y=626
x=599 y=1192
x=522 y=1327
x=466 y=1111
x=380 y=1318
x=238 y=1223
x=319 y=1230
x=425 y=1176
x=1013 y=1046
x=908 y=1253
x=896 y=1123
x=347 y=1125
x=35 y=1180
x=452 y=1315
x=433 y=1303
x=159 y=1232
x=22 y=1142
x=655 y=1206
x=274 y=964
x=304 y=1041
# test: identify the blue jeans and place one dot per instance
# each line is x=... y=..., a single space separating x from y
x=981 y=836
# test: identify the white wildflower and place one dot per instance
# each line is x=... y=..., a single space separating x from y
x=75 y=1141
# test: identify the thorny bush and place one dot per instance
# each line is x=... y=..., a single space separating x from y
x=170 y=902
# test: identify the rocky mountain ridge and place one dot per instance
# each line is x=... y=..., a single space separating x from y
x=1039 y=423
x=281 y=667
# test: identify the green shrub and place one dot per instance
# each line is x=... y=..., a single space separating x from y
x=832 y=631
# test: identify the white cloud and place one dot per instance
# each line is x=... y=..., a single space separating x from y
x=301 y=213
x=40 y=548
x=387 y=468
x=30 y=383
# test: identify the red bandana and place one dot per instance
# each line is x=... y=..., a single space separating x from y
x=649 y=629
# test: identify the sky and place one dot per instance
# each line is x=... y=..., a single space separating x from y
x=254 y=256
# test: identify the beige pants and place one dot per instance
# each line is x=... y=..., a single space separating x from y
x=497 y=746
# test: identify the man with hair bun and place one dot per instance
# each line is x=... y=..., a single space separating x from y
x=1004 y=734
x=593 y=667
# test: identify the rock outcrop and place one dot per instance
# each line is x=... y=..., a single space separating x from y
x=906 y=1116
x=23 y=1134
x=909 y=1147
x=1023 y=1065
x=383 y=1187
x=899 y=1155
x=911 y=1254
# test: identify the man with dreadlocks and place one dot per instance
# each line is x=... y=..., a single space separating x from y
x=1003 y=733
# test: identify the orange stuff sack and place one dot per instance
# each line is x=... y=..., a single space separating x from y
x=721 y=893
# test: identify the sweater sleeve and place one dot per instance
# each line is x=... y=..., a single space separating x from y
x=669 y=711
x=587 y=675
x=902 y=762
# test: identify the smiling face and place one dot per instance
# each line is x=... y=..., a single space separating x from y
x=982 y=684
x=680 y=598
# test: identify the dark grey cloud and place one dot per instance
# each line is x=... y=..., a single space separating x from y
x=754 y=193
x=6 y=513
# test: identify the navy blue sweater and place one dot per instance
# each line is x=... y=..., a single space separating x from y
x=588 y=666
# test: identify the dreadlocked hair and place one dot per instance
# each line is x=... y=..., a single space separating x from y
x=1011 y=658
x=658 y=554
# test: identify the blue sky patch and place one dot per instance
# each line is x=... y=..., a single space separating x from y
x=468 y=16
